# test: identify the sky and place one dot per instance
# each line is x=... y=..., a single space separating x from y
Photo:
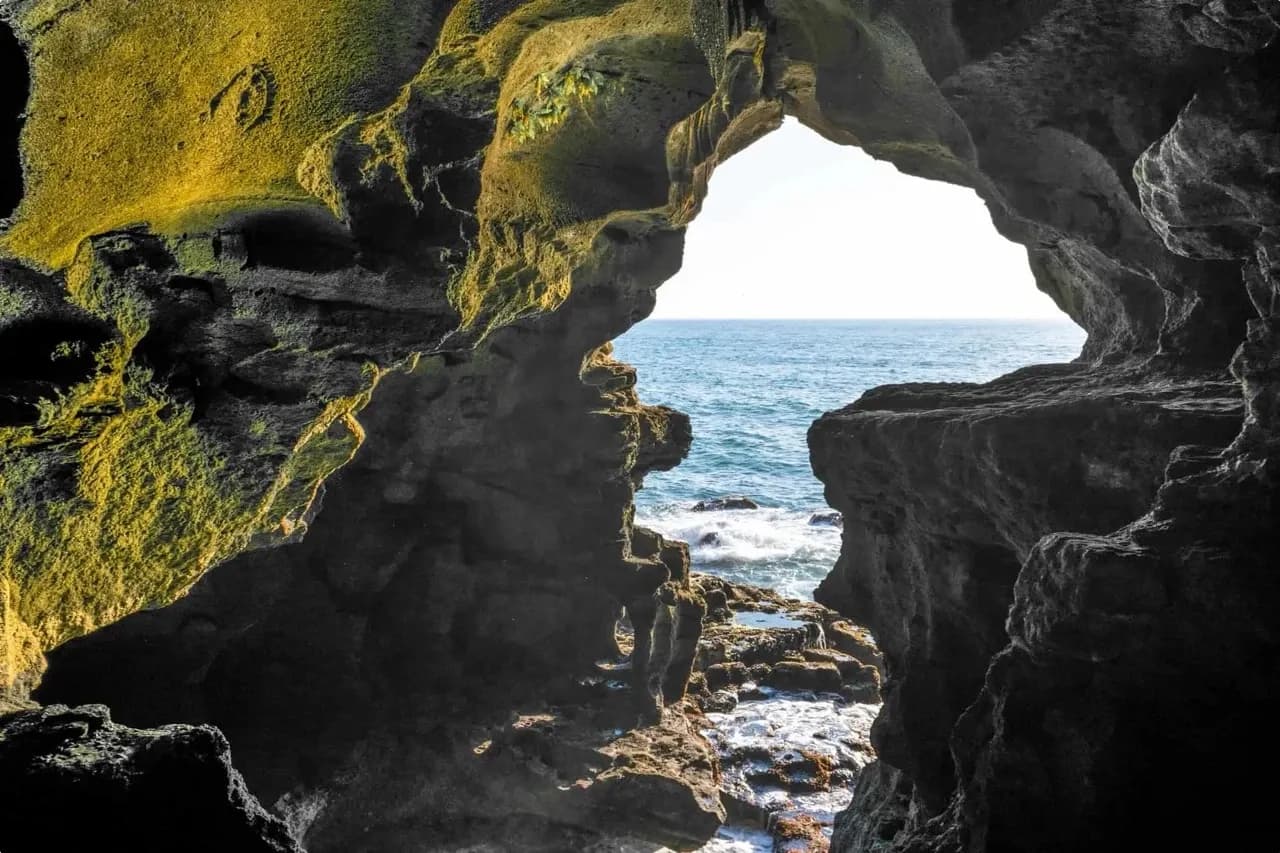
x=799 y=227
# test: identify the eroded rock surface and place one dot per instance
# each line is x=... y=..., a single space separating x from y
x=71 y=779
x=951 y=486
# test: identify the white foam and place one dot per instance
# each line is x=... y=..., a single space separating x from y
x=739 y=839
x=840 y=731
x=769 y=547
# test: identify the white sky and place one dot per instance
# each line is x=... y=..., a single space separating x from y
x=798 y=227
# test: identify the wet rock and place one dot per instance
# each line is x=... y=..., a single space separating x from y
x=819 y=677
x=861 y=681
x=827 y=519
x=720 y=701
x=795 y=771
x=717 y=605
x=799 y=834
x=71 y=779
x=711 y=538
x=720 y=674
x=855 y=642
x=783 y=755
x=725 y=503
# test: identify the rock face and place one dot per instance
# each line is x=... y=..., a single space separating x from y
x=952 y=487
x=71 y=779
x=265 y=242
x=492 y=486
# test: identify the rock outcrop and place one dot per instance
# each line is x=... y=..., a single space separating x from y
x=71 y=779
x=946 y=491
x=265 y=243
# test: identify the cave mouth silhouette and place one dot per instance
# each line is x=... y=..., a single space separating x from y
x=842 y=304
x=13 y=102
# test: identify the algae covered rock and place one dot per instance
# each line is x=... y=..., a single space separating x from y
x=135 y=450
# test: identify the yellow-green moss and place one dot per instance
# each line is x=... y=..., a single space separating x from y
x=13 y=303
x=115 y=500
x=154 y=504
x=533 y=233
x=152 y=509
x=548 y=105
x=175 y=114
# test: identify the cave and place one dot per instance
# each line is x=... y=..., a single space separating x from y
x=374 y=607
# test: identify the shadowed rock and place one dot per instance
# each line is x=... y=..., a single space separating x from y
x=71 y=779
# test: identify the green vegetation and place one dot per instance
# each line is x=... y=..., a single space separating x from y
x=114 y=500
x=549 y=104
x=178 y=115
x=13 y=303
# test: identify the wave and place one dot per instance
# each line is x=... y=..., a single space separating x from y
x=769 y=547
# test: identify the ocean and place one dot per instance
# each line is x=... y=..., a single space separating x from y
x=753 y=387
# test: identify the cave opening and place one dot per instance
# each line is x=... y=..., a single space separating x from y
x=812 y=275
x=854 y=276
x=13 y=102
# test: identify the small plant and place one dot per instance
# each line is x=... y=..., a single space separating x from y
x=13 y=303
x=258 y=428
x=553 y=95
x=67 y=349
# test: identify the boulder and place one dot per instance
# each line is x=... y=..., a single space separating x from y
x=817 y=676
x=725 y=503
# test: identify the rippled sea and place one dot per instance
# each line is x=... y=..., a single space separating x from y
x=753 y=387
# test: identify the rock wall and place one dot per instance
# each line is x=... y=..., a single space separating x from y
x=486 y=551
x=393 y=240
x=1137 y=645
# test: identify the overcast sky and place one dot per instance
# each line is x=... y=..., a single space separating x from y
x=796 y=226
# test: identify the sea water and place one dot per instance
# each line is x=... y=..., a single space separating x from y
x=753 y=387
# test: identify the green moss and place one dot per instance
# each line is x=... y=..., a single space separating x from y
x=151 y=511
x=115 y=500
x=13 y=303
x=548 y=105
x=177 y=114
x=152 y=504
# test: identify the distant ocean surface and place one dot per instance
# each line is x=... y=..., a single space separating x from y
x=753 y=387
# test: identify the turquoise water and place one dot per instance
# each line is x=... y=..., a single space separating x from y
x=753 y=387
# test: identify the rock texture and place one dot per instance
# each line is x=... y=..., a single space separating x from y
x=508 y=474
x=1065 y=727
x=952 y=487
x=71 y=779
x=264 y=242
